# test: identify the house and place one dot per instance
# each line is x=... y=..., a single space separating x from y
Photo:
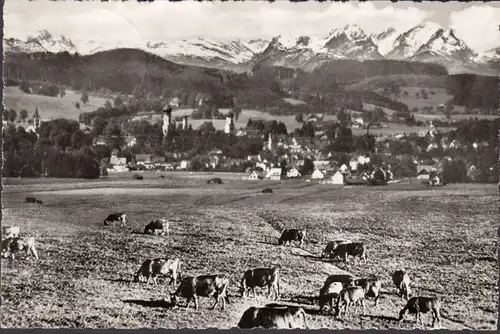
x=130 y=141
x=142 y=159
x=253 y=176
x=344 y=168
x=338 y=178
x=274 y=174
x=423 y=171
x=357 y=123
x=317 y=175
x=292 y=173
x=116 y=161
x=321 y=163
x=353 y=164
x=100 y=141
x=184 y=164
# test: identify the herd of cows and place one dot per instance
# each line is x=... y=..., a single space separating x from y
x=339 y=292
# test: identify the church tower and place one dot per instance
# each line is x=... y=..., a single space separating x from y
x=167 y=119
x=36 y=121
x=185 y=122
x=229 y=127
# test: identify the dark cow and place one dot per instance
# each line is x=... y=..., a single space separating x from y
x=401 y=280
x=10 y=246
x=151 y=268
x=352 y=295
x=260 y=277
x=330 y=247
x=33 y=200
x=267 y=191
x=284 y=317
x=215 y=180
x=346 y=280
x=371 y=286
x=289 y=235
x=116 y=217
x=328 y=294
x=204 y=286
x=157 y=226
x=355 y=249
x=417 y=305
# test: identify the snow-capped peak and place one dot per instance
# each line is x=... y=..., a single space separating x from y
x=444 y=42
x=408 y=43
x=350 y=31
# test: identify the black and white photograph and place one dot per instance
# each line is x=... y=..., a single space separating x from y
x=250 y=164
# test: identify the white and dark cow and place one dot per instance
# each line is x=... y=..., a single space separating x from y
x=261 y=277
x=158 y=227
x=10 y=246
x=152 y=268
x=204 y=286
x=289 y=235
x=116 y=217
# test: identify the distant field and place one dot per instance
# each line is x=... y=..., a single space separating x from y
x=293 y=101
x=445 y=237
x=49 y=107
x=421 y=81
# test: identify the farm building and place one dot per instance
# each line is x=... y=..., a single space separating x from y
x=344 y=168
x=294 y=172
x=317 y=175
x=338 y=178
x=254 y=175
x=423 y=171
x=274 y=174
x=130 y=141
x=353 y=164
x=143 y=159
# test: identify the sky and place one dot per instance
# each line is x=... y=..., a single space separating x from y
x=476 y=23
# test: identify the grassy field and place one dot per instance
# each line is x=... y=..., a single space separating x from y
x=49 y=107
x=445 y=237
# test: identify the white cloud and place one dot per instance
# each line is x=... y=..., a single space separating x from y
x=478 y=26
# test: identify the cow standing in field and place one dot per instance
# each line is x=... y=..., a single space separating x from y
x=116 y=217
x=33 y=200
x=10 y=246
x=261 y=277
x=371 y=287
x=205 y=286
x=355 y=249
x=330 y=247
x=289 y=235
x=332 y=287
x=10 y=232
x=417 y=305
x=158 y=226
x=152 y=268
x=352 y=295
x=401 y=280
x=285 y=317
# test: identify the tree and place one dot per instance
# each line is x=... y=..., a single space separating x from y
x=23 y=115
x=299 y=117
x=107 y=105
x=24 y=86
x=344 y=118
x=12 y=115
x=308 y=166
x=62 y=91
x=118 y=101
x=77 y=105
x=85 y=97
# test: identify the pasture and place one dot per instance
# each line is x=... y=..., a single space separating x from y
x=49 y=107
x=445 y=237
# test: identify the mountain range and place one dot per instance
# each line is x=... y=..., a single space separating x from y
x=426 y=42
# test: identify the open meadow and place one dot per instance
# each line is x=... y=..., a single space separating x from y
x=49 y=107
x=446 y=237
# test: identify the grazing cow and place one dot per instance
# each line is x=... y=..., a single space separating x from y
x=328 y=293
x=215 y=180
x=289 y=235
x=402 y=281
x=116 y=217
x=204 y=286
x=346 y=280
x=261 y=277
x=267 y=191
x=158 y=226
x=10 y=232
x=10 y=246
x=371 y=286
x=355 y=249
x=152 y=268
x=330 y=247
x=417 y=305
x=349 y=296
x=284 y=317
x=33 y=200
